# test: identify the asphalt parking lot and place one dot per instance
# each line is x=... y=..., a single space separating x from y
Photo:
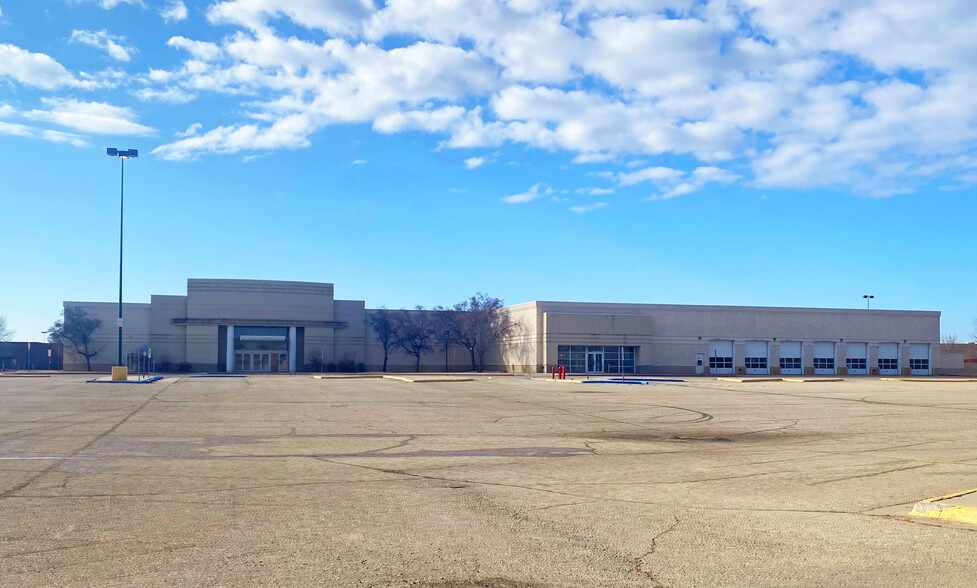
x=504 y=482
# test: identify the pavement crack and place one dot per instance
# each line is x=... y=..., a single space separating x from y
x=57 y=463
x=639 y=561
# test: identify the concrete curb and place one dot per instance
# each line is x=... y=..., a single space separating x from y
x=812 y=380
x=747 y=380
x=933 y=380
x=361 y=377
x=425 y=380
x=552 y=380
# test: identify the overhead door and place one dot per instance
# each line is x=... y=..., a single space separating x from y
x=857 y=358
x=756 y=357
x=721 y=357
x=824 y=358
x=919 y=359
x=889 y=359
x=790 y=358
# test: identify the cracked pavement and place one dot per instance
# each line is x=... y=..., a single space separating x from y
x=504 y=482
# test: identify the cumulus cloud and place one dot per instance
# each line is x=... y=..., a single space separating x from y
x=760 y=86
x=474 y=162
x=287 y=133
x=111 y=44
x=34 y=69
x=97 y=118
x=190 y=131
x=529 y=195
x=174 y=11
x=199 y=49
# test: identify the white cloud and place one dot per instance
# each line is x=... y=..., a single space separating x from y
x=760 y=86
x=358 y=162
x=62 y=137
x=588 y=207
x=17 y=129
x=199 y=49
x=697 y=180
x=287 y=133
x=190 y=131
x=529 y=195
x=20 y=130
x=174 y=11
x=34 y=69
x=98 y=118
x=110 y=4
x=649 y=174
x=334 y=16
x=474 y=162
x=172 y=95
x=111 y=44
x=600 y=191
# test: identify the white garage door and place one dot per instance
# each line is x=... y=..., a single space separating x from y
x=824 y=358
x=857 y=358
x=790 y=358
x=889 y=359
x=919 y=359
x=756 y=358
x=721 y=357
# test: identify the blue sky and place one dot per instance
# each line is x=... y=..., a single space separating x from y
x=668 y=151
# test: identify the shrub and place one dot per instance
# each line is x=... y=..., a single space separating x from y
x=315 y=363
x=164 y=364
x=186 y=366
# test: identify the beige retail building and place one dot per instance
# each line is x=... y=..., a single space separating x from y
x=276 y=326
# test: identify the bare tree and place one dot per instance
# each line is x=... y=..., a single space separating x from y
x=415 y=329
x=77 y=328
x=478 y=323
x=948 y=343
x=6 y=333
x=383 y=324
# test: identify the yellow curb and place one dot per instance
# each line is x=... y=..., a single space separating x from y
x=425 y=380
x=741 y=380
x=344 y=377
x=812 y=380
x=934 y=508
x=926 y=380
x=957 y=514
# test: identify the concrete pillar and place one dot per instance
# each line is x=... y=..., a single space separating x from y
x=292 y=341
x=230 y=348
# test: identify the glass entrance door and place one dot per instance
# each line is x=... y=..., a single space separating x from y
x=595 y=362
x=260 y=361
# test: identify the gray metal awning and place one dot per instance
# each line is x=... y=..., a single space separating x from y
x=186 y=322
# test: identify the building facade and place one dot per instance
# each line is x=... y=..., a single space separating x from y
x=274 y=326
x=30 y=355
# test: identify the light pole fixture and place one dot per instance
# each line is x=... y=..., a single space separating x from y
x=868 y=300
x=123 y=155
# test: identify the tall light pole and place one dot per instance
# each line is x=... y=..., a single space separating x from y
x=123 y=155
x=868 y=300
